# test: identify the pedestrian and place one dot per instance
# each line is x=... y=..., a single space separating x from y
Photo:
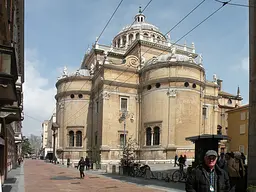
x=81 y=165
x=87 y=162
x=175 y=160
x=68 y=162
x=221 y=161
x=208 y=177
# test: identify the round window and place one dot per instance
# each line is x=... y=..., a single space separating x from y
x=194 y=85
x=186 y=84
x=72 y=96
x=149 y=87
x=158 y=85
x=80 y=96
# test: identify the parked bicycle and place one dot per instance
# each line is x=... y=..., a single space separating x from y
x=180 y=174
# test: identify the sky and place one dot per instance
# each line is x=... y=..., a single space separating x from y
x=58 y=33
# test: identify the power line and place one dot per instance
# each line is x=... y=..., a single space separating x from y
x=118 y=75
x=178 y=23
x=109 y=20
x=33 y=118
x=208 y=17
x=233 y=4
x=96 y=42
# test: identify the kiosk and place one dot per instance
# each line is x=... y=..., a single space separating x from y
x=203 y=143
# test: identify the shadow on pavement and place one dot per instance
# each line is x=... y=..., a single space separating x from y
x=10 y=180
x=7 y=188
x=63 y=178
x=144 y=182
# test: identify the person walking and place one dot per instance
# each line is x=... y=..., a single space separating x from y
x=81 y=165
x=87 y=163
x=175 y=160
x=208 y=177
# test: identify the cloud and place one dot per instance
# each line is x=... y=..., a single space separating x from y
x=244 y=65
x=39 y=94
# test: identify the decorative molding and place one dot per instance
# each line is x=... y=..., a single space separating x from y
x=132 y=61
x=172 y=92
x=153 y=124
x=105 y=95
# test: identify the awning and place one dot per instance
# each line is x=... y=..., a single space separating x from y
x=10 y=113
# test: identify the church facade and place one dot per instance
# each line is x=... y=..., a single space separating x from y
x=144 y=87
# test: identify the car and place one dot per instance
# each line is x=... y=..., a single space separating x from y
x=33 y=157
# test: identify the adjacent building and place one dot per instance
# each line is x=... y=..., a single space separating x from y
x=50 y=139
x=11 y=80
x=238 y=120
x=47 y=144
x=145 y=87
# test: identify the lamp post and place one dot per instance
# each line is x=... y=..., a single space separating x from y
x=54 y=128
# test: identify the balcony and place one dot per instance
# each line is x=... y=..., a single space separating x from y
x=8 y=75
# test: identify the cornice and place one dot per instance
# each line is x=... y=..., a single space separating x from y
x=158 y=65
x=72 y=78
x=120 y=67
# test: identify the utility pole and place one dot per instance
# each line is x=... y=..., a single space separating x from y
x=252 y=95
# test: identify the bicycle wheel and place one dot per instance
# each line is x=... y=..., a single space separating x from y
x=176 y=176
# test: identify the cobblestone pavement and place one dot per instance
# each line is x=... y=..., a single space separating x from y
x=41 y=177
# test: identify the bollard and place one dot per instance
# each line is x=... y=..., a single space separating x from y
x=159 y=176
x=94 y=166
x=148 y=174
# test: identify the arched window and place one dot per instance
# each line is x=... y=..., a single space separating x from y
x=79 y=139
x=137 y=35
x=71 y=138
x=148 y=136
x=156 y=139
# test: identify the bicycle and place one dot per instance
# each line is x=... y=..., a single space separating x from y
x=180 y=174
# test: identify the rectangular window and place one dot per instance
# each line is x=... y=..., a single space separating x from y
x=96 y=138
x=242 y=116
x=204 y=112
x=97 y=106
x=242 y=129
x=124 y=104
x=122 y=139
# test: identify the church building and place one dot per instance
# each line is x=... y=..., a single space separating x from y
x=142 y=87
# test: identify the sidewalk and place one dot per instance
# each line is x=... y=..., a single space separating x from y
x=15 y=180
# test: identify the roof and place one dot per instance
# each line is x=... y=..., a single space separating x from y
x=207 y=136
x=239 y=108
x=222 y=93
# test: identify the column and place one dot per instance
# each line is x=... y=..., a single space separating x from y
x=133 y=36
x=121 y=41
x=152 y=138
x=252 y=96
x=127 y=40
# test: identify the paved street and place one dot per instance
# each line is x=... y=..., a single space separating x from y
x=41 y=177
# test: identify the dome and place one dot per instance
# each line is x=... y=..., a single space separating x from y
x=138 y=28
